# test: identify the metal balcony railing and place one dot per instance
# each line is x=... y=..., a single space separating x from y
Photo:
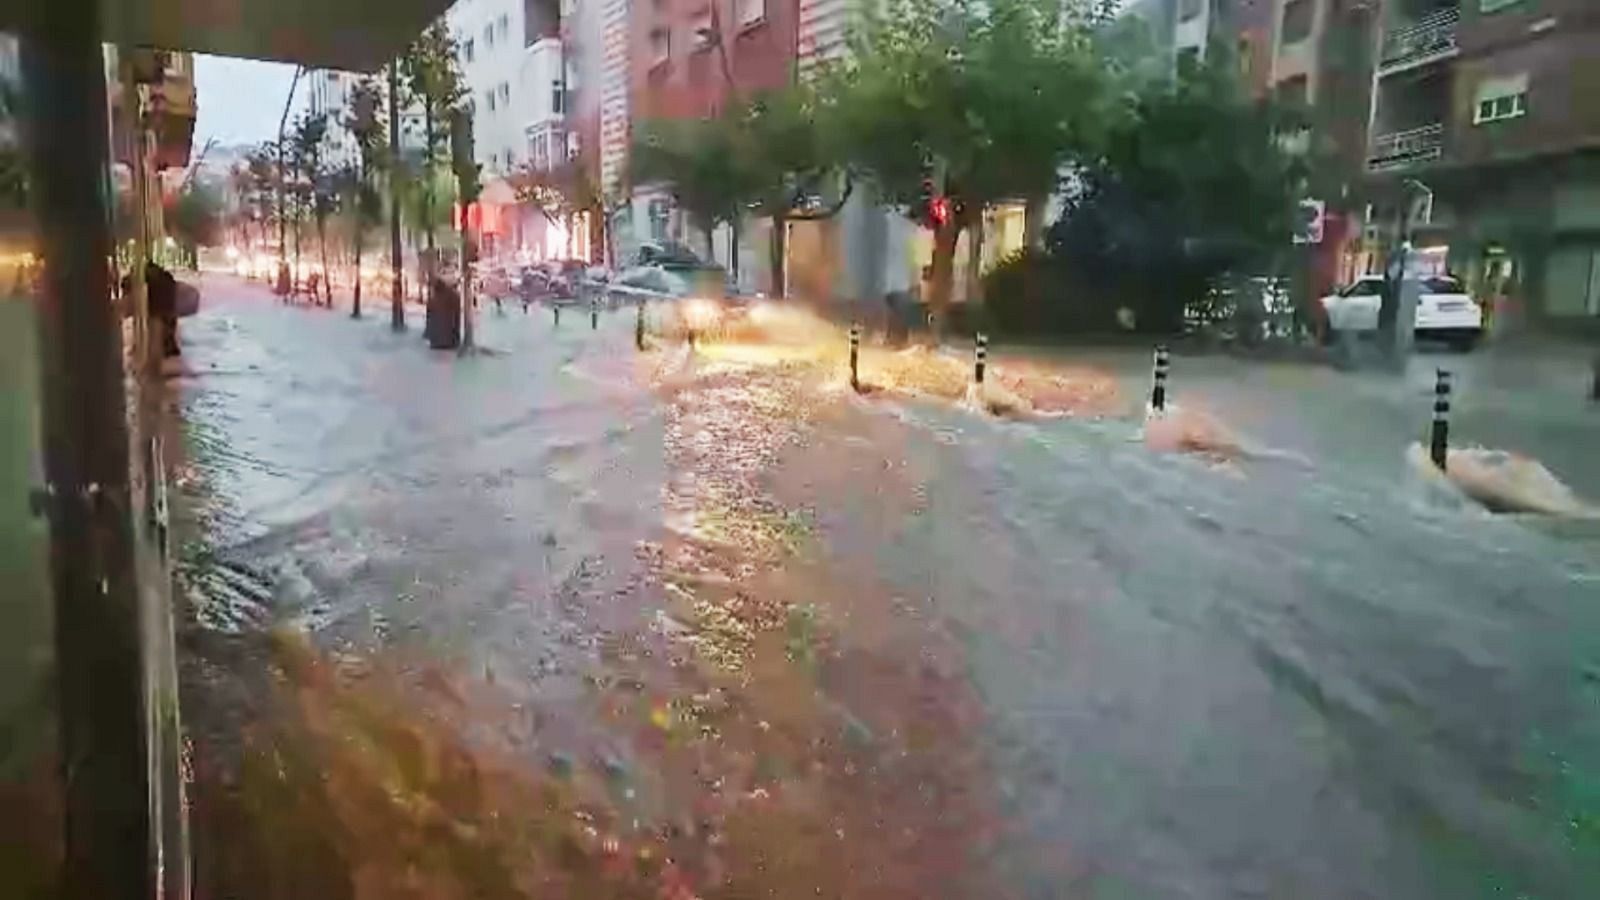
x=1406 y=148
x=1431 y=37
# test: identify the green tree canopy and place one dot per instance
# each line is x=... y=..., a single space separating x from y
x=1198 y=182
x=697 y=161
x=979 y=100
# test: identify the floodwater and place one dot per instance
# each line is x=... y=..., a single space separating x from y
x=566 y=620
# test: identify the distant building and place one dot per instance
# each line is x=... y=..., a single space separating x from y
x=1486 y=111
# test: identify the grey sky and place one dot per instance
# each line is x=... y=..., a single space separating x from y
x=240 y=99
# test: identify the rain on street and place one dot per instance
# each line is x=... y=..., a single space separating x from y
x=566 y=619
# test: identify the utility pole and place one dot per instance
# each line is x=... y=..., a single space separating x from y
x=396 y=288
x=283 y=120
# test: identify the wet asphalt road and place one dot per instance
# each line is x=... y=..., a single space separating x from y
x=1057 y=663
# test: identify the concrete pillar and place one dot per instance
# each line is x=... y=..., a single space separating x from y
x=110 y=842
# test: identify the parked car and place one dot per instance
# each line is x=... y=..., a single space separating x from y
x=1444 y=310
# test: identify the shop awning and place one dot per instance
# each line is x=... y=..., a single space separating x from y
x=359 y=35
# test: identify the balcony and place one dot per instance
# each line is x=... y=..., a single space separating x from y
x=1402 y=149
x=1431 y=38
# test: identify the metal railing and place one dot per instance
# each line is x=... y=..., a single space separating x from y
x=1432 y=36
x=1405 y=148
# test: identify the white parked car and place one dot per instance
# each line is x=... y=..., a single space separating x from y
x=1444 y=310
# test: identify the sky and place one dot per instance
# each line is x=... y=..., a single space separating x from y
x=240 y=100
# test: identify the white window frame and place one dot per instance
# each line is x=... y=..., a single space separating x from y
x=752 y=12
x=1506 y=98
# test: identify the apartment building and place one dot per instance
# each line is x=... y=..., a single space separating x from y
x=1485 y=144
x=512 y=61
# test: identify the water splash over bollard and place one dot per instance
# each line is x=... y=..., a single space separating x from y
x=1158 y=391
x=1439 y=439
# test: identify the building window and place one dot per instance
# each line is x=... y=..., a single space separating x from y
x=505 y=93
x=504 y=25
x=660 y=212
x=488 y=100
x=660 y=46
x=1501 y=98
x=1188 y=9
x=488 y=36
x=751 y=12
x=466 y=50
x=1298 y=16
x=557 y=99
x=539 y=150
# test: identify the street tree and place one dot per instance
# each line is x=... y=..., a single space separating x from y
x=696 y=161
x=784 y=149
x=431 y=79
x=195 y=218
x=367 y=124
x=317 y=186
x=562 y=192
x=949 y=106
x=1198 y=183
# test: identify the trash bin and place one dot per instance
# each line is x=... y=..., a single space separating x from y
x=442 y=327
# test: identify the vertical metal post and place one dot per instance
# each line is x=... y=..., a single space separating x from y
x=855 y=355
x=1158 y=393
x=981 y=360
x=397 y=315
x=594 y=313
x=106 y=775
x=555 y=308
x=638 y=327
x=1439 y=439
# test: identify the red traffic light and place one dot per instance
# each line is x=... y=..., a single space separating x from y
x=939 y=211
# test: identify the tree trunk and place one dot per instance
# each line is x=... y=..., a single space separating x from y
x=942 y=274
x=322 y=247
x=467 y=344
x=397 y=315
x=975 y=262
x=427 y=171
x=355 y=306
x=777 y=254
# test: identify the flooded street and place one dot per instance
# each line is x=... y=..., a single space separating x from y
x=563 y=619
